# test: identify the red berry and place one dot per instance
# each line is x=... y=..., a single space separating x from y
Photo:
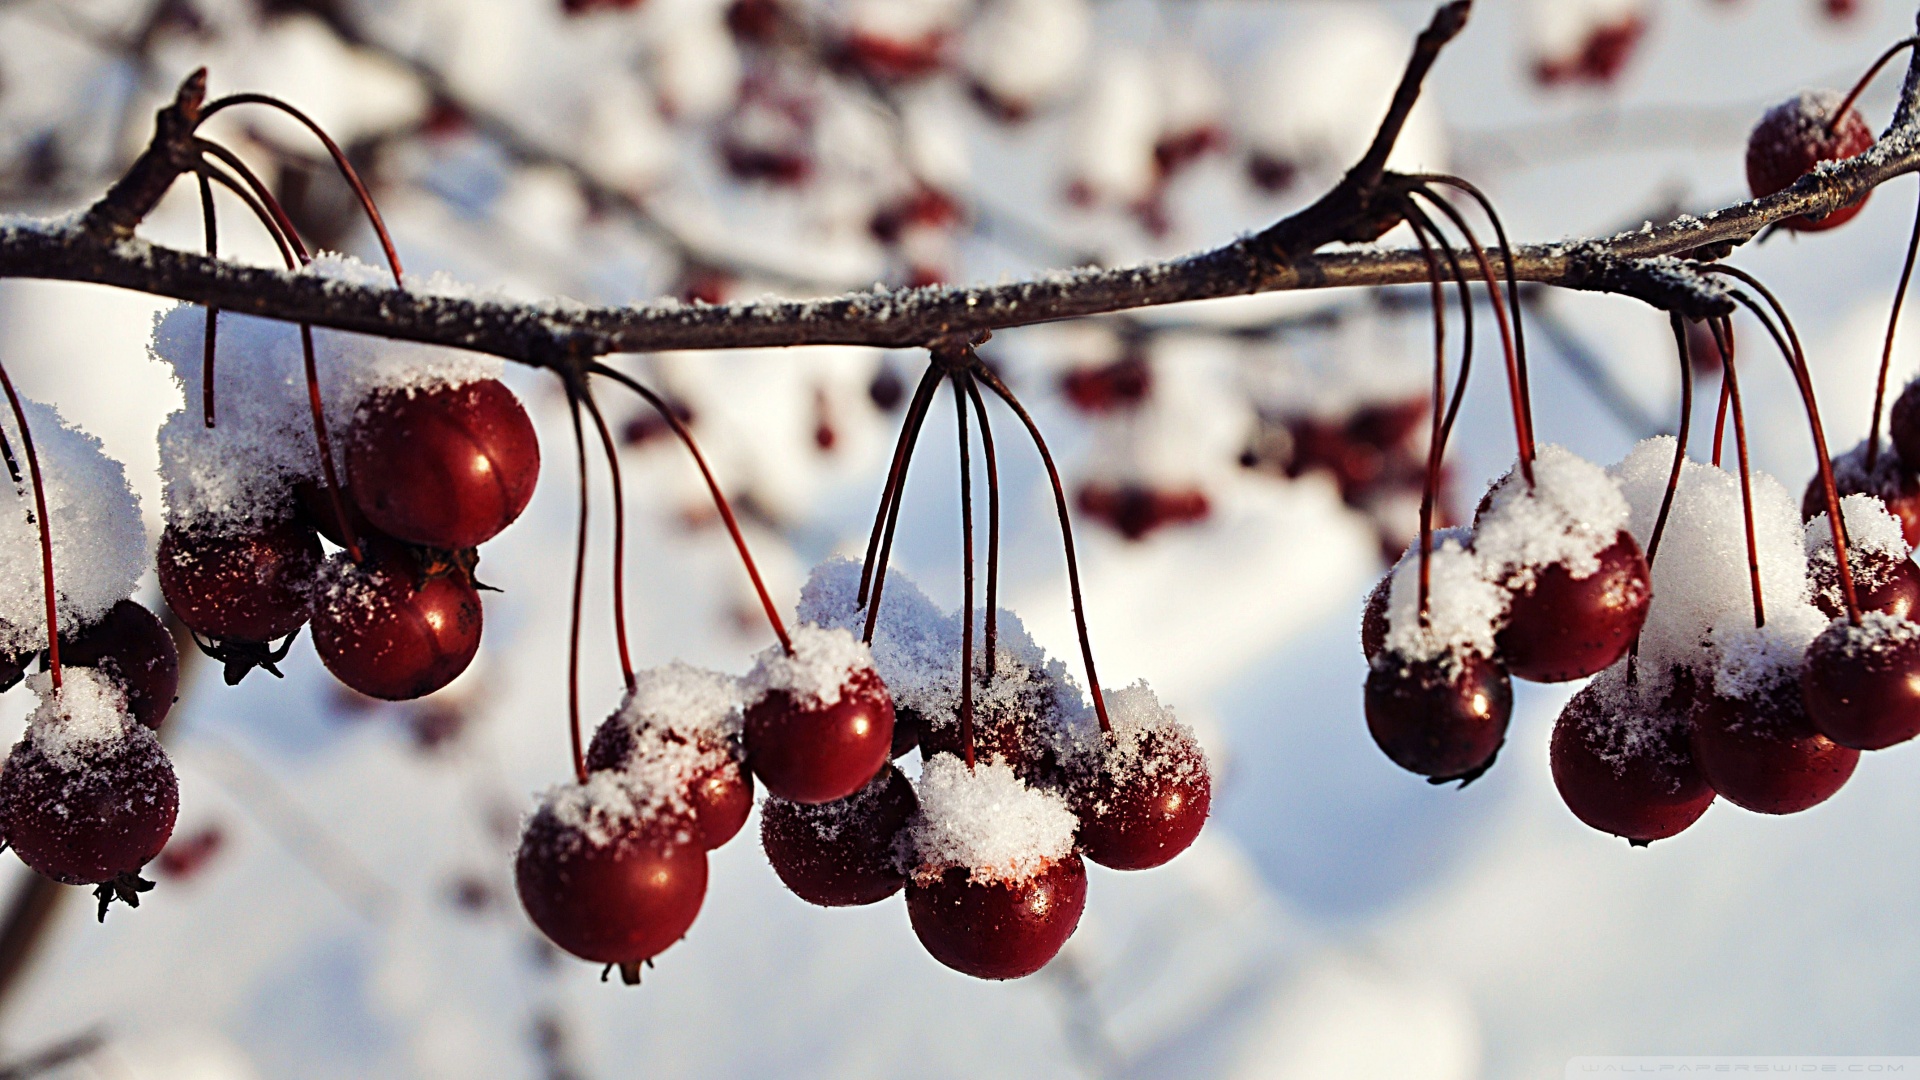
x=1444 y=721
x=315 y=509
x=132 y=647
x=845 y=853
x=1626 y=769
x=1765 y=756
x=243 y=583
x=1793 y=138
x=1561 y=628
x=1123 y=384
x=718 y=793
x=1862 y=683
x=391 y=628
x=185 y=856
x=889 y=59
x=1373 y=618
x=998 y=929
x=446 y=467
x=620 y=893
x=1903 y=423
x=1601 y=58
x=1012 y=723
x=809 y=752
x=1882 y=582
x=1135 y=510
x=92 y=815
x=1146 y=803
x=1892 y=482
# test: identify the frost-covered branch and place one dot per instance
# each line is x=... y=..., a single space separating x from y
x=100 y=247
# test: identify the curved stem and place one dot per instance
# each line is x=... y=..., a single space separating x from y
x=896 y=473
x=619 y=537
x=1684 y=350
x=713 y=488
x=260 y=190
x=1859 y=87
x=966 y=574
x=1886 y=350
x=334 y=495
x=339 y=160
x=213 y=312
x=46 y=526
x=1746 y=487
x=884 y=558
x=579 y=591
x=1722 y=330
x=1513 y=284
x=985 y=374
x=1417 y=221
x=993 y=522
x=208 y=171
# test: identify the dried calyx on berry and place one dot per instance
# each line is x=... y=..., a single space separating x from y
x=1884 y=576
x=679 y=734
x=819 y=720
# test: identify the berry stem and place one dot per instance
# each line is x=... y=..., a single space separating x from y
x=902 y=449
x=1722 y=329
x=1886 y=350
x=619 y=538
x=1860 y=87
x=339 y=160
x=1746 y=484
x=213 y=313
x=579 y=591
x=1796 y=358
x=893 y=501
x=278 y=213
x=713 y=487
x=1426 y=233
x=966 y=574
x=993 y=522
x=46 y=526
x=1516 y=387
x=1684 y=350
x=986 y=375
x=1513 y=285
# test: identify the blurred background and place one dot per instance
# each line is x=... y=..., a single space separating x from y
x=337 y=899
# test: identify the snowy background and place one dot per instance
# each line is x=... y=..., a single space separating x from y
x=1337 y=918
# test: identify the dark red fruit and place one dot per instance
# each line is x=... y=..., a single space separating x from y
x=620 y=902
x=719 y=793
x=1443 y=724
x=315 y=508
x=91 y=821
x=246 y=583
x=446 y=467
x=998 y=930
x=1601 y=58
x=1629 y=774
x=1903 y=424
x=1561 y=627
x=1373 y=618
x=1882 y=582
x=391 y=628
x=841 y=854
x=1891 y=481
x=1861 y=683
x=1791 y=139
x=132 y=647
x=1012 y=724
x=1145 y=805
x=1136 y=510
x=1765 y=756
x=807 y=752
x=907 y=724
x=185 y=856
x=1103 y=388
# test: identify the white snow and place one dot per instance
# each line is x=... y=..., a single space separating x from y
x=685 y=699
x=1573 y=511
x=1025 y=53
x=988 y=821
x=81 y=722
x=1465 y=607
x=823 y=660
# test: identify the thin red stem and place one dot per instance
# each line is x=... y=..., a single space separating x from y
x=579 y=593
x=1746 y=487
x=896 y=473
x=896 y=497
x=1886 y=350
x=993 y=521
x=619 y=538
x=1853 y=95
x=966 y=575
x=46 y=525
x=713 y=488
x=213 y=313
x=340 y=161
x=260 y=190
x=1683 y=348
x=1417 y=221
x=1720 y=413
x=1513 y=286
x=986 y=375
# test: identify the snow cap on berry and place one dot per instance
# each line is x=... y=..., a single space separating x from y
x=915 y=644
x=1147 y=737
x=1572 y=513
x=1633 y=719
x=1464 y=607
x=683 y=699
x=988 y=821
x=613 y=807
x=1876 y=546
x=824 y=659
x=82 y=722
x=1703 y=601
x=99 y=543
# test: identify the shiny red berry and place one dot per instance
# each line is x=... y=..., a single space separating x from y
x=809 y=752
x=998 y=929
x=1765 y=756
x=1561 y=628
x=1146 y=803
x=1628 y=771
x=392 y=628
x=132 y=647
x=845 y=853
x=1444 y=721
x=1892 y=482
x=1903 y=423
x=240 y=583
x=1882 y=582
x=89 y=816
x=1792 y=139
x=1861 y=683
x=612 y=899
x=718 y=793
x=446 y=467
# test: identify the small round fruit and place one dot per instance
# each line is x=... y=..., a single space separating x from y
x=998 y=929
x=445 y=467
x=1560 y=628
x=1765 y=755
x=1373 y=618
x=612 y=900
x=841 y=854
x=247 y=582
x=132 y=646
x=1882 y=581
x=1792 y=139
x=718 y=790
x=1892 y=482
x=1861 y=684
x=1146 y=803
x=89 y=815
x=1443 y=720
x=388 y=628
x=810 y=752
x=1628 y=772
